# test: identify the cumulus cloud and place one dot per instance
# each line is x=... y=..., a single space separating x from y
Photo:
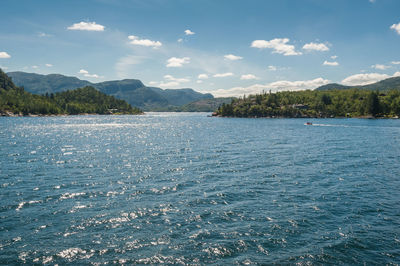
x=380 y=67
x=223 y=75
x=327 y=63
x=48 y=65
x=144 y=42
x=189 y=32
x=232 y=57
x=35 y=67
x=279 y=46
x=180 y=40
x=4 y=55
x=396 y=27
x=85 y=73
x=282 y=85
x=202 y=76
x=177 y=62
x=334 y=57
x=312 y=46
x=364 y=79
x=169 y=84
x=179 y=80
x=248 y=77
x=88 y=26
x=396 y=62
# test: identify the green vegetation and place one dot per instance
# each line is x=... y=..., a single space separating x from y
x=15 y=100
x=331 y=103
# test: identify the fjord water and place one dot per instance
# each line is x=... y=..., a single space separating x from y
x=188 y=189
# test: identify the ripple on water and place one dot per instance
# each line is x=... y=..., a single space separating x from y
x=187 y=189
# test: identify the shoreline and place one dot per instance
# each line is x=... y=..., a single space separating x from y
x=10 y=114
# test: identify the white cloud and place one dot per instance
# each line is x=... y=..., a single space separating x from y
x=380 y=67
x=312 y=46
x=42 y=34
x=334 y=57
x=180 y=80
x=396 y=27
x=248 y=77
x=48 y=65
x=202 y=76
x=372 y=1
x=364 y=79
x=327 y=63
x=177 y=62
x=85 y=73
x=35 y=67
x=223 y=75
x=144 y=42
x=170 y=84
x=396 y=74
x=189 y=32
x=199 y=81
x=89 y=26
x=232 y=57
x=4 y=55
x=396 y=62
x=272 y=68
x=282 y=85
x=3 y=67
x=279 y=46
x=180 y=40
x=92 y=76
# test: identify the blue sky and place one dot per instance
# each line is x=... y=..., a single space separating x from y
x=225 y=47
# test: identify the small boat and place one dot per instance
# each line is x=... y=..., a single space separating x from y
x=308 y=124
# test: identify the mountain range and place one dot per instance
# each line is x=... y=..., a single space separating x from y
x=386 y=84
x=131 y=90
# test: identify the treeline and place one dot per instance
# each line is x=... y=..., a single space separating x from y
x=16 y=100
x=332 y=103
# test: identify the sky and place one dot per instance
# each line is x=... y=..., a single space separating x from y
x=224 y=47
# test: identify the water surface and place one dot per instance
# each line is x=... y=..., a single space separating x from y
x=188 y=189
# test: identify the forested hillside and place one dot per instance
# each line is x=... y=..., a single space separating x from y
x=331 y=103
x=15 y=100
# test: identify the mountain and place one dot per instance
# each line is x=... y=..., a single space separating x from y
x=16 y=101
x=386 y=84
x=41 y=84
x=203 y=105
x=206 y=105
x=131 y=90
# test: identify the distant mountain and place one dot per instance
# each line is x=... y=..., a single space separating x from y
x=87 y=100
x=206 y=105
x=40 y=84
x=386 y=84
x=131 y=90
x=203 y=105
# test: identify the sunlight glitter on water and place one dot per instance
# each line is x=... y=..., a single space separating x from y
x=197 y=190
